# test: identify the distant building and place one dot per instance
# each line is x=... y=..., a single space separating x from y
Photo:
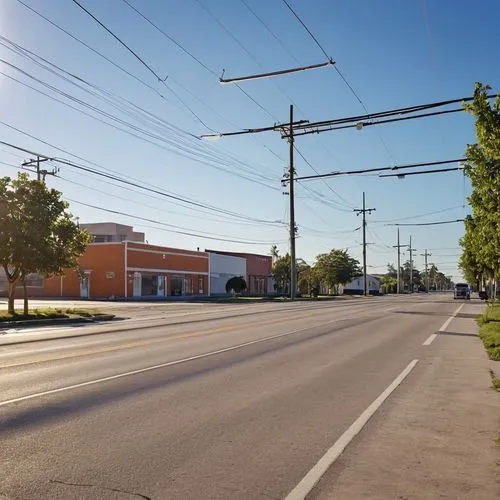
x=356 y=286
x=258 y=271
x=110 y=232
x=222 y=268
x=129 y=269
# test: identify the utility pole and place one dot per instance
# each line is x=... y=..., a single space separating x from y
x=41 y=174
x=411 y=250
x=399 y=246
x=291 y=174
x=363 y=211
x=426 y=254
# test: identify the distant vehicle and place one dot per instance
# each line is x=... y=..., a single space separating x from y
x=462 y=291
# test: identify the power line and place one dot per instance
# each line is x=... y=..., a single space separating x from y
x=290 y=53
x=201 y=63
x=119 y=40
x=120 y=103
x=222 y=219
x=187 y=233
x=165 y=194
x=186 y=150
x=307 y=29
x=89 y=47
x=326 y=184
x=173 y=40
x=344 y=79
x=379 y=221
x=429 y=223
x=358 y=121
x=378 y=169
x=404 y=174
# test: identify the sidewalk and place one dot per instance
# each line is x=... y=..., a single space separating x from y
x=437 y=435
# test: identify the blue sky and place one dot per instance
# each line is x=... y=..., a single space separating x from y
x=393 y=54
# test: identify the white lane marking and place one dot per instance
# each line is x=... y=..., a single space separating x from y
x=326 y=461
x=430 y=339
x=163 y=365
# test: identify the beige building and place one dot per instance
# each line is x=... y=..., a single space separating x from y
x=110 y=232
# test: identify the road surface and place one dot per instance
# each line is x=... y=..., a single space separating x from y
x=239 y=405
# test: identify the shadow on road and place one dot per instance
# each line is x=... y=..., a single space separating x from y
x=75 y=402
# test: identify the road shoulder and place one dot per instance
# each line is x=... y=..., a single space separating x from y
x=437 y=437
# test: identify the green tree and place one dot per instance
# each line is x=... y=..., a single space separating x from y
x=336 y=268
x=308 y=279
x=481 y=242
x=37 y=233
x=281 y=273
x=237 y=284
x=389 y=283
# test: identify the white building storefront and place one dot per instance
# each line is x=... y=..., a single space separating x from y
x=222 y=268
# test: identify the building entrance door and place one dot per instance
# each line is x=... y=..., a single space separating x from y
x=85 y=286
x=137 y=291
x=161 y=286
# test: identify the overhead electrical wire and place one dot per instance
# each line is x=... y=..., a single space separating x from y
x=245 y=49
x=120 y=103
x=187 y=233
x=119 y=40
x=156 y=119
x=100 y=54
x=344 y=201
x=89 y=47
x=190 y=54
x=344 y=79
x=429 y=223
x=151 y=140
x=270 y=31
x=224 y=220
x=417 y=216
x=124 y=181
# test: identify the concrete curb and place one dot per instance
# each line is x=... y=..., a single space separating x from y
x=55 y=321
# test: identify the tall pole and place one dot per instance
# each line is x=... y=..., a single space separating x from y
x=363 y=211
x=399 y=246
x=365 y=288
x=410 y=285
x=399 y=265
x=426 y=254
x=291 y=172
x=41 y=174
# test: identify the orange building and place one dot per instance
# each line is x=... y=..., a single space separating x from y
x=127 y=269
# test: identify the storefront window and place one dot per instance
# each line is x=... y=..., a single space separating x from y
x=200 y=285
x=176 y=284
x=149 y=284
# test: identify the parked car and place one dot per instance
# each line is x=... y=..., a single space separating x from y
x=483 y=295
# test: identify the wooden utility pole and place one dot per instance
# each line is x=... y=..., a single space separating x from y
x=363 y=211
x=426 y=254
x=291 y=173
x=411 y=250
x=41 y=174
x=399 y=246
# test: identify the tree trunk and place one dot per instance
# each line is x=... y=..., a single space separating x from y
x=25 y=296
x=10 y=306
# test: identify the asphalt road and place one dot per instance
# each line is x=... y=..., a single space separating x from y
x=237 y=406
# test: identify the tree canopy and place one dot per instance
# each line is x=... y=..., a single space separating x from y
x=37 y=233
x=336 y=268
x=481 y=242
